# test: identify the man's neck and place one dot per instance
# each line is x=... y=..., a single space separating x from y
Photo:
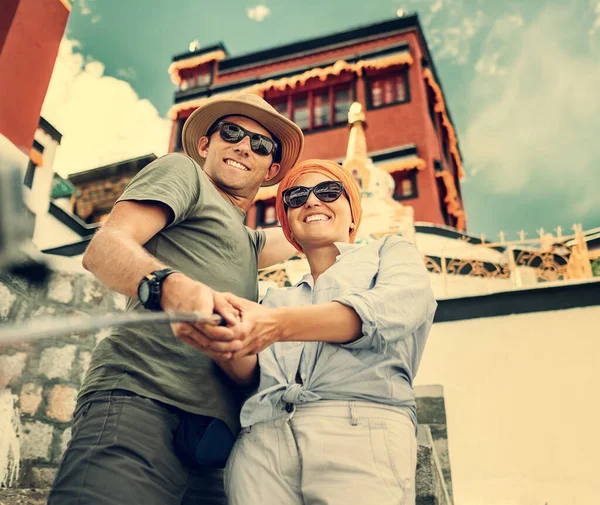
x=241 y=202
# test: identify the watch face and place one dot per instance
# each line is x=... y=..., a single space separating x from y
x=144 y=292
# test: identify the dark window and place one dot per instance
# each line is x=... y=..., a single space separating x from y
x=265 y=213
x=282 y=107
x=178 y=145
x=388 y=90
x=29 y=174
x=445 y=147
x=341 y=103
x=321 y=108
x=431 y=106
x=301 y=112
x=406 y=185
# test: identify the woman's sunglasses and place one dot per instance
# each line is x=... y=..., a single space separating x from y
x=326 y=191
x=233 y=133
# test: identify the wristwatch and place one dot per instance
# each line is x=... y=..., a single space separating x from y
x=150 y=288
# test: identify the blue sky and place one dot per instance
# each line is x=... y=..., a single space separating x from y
x=520 y=79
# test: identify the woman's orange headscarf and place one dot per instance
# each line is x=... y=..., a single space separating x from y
x=331 y=170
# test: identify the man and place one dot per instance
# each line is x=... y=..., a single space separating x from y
x=175 y=238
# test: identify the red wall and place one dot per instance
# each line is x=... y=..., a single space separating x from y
x=393 y=126
x=312 y=59
x=387 y=127
x=30 y=34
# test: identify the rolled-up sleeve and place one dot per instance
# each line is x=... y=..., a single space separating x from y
x=400 y=301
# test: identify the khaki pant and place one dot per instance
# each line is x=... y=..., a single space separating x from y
x=326 y=453
x=121 y=452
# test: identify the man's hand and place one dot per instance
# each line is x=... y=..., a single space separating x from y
x=182 y=294
x=258 y=328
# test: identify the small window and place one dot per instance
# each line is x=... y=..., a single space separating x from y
x=265 y=213
x=203 y=79
x=282 y=107
x=178 y=147
x=29 y=174
x=325 y=107
x=406 y=185
x=321 y=109
x=270 y=216
x=301 y=111
x=342 y=101
x=388 y=90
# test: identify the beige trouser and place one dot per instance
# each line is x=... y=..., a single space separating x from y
x=326 y=453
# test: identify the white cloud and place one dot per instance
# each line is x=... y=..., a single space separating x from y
x=128 y=73
x=84 y=8
x=496 y=44
x=102 y=119
x=596 y=24
x=454 y=42
x=436 y=6
x=258 y=13
x=537 y=128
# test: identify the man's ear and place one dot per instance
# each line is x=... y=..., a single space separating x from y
x=203 y=144
x=273 y=171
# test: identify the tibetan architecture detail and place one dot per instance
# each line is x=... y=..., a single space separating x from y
x=384 y=67
x=381 y=213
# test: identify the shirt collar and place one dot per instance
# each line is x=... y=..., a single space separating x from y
x=343 y=247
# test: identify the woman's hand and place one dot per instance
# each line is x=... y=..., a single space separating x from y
x=258 y=328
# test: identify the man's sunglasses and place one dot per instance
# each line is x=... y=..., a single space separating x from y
x=326 y=191
x=233 y=133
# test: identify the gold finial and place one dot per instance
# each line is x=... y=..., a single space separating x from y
x=502 y=237
x=522 y=235
x=559 y=231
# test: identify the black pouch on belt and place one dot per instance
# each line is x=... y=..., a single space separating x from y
x=203 y=441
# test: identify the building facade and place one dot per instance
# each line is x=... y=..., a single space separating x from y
x=30 y=34
x=386 y=67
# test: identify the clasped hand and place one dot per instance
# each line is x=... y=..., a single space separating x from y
x=248 y=326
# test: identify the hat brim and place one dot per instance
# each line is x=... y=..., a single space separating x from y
x=289 y=134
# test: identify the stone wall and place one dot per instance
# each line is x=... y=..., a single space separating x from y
x=39 y=382
x=44 y=376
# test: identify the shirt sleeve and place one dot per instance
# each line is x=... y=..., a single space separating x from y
x=400 y=301
x=171 y=180
x=259 y=238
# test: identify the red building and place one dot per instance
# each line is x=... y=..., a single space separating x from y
x=30 y=33
x=387 y=67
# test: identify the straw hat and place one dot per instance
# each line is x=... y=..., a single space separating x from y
x=288 y=133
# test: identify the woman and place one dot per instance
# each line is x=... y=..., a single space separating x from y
x=333 y=420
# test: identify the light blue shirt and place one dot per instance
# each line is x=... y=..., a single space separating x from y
x=388 y=286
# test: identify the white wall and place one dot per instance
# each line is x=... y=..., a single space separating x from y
x=50 y=232
x=521 y=395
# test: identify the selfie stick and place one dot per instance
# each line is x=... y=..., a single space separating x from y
x=55 y=327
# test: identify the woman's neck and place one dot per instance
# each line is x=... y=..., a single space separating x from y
x=320 y=259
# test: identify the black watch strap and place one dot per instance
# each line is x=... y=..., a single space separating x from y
x=150 y=288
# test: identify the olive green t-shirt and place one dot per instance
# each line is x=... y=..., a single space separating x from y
x=208 y=241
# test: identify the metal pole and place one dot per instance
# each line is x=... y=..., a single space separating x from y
x=55 y=327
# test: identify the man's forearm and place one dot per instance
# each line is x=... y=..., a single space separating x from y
x=328 y=322
x=118 y=261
